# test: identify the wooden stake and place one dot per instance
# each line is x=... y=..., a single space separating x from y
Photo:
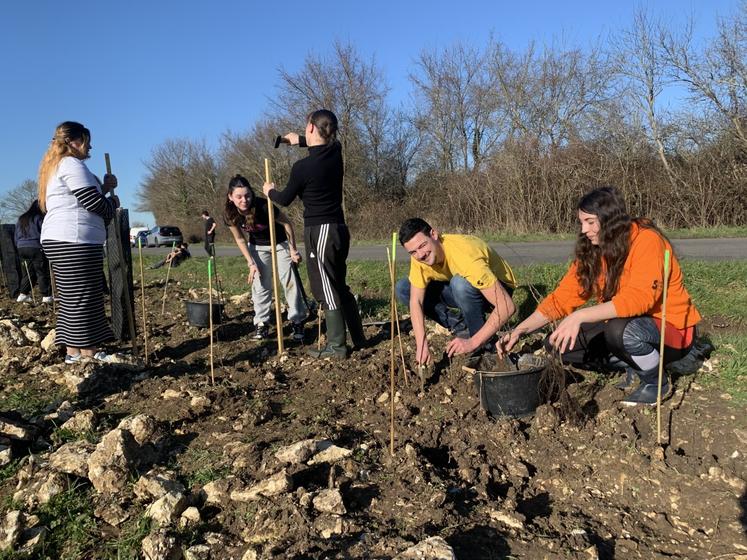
x=273 y=253
x=391 y=359
x=210 y=317
x=661 y=345
x=31 y=285
x=166 y=285
x=142 y=296
x=125 y=283
x=319 y=330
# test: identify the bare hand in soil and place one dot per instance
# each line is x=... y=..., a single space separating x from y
x=505 y=344
x=423 y=354
x=459 y=346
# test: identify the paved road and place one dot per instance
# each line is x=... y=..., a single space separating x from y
x=536 y=252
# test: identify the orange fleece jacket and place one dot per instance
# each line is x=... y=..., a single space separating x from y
x=641 y=285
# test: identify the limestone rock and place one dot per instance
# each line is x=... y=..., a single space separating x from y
x=161 y=546
x=142 y=427
x=81 y=422
x=434 y=548
x=112 y=513
x=155 y=484
x=329 y=501
x=47 y=342
x=72 y=458
x=167 y=509
x=30 y=334
x=197 y=552
x=110 y=463
x=11 y=529
x=15 y=429
x=10 y=335
x=296 y=453
x=330 y=526
x=6 y=455
x=216 y=492
x=330 y=454
x=279 y=483
x=190 y=517
x=513 y=520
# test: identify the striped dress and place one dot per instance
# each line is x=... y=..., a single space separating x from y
x=73 y=235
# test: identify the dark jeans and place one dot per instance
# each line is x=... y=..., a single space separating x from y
x=38 y=267
x=456 y=294
x=210 y=245
x=613 y=344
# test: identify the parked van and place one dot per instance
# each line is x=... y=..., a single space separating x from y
x=134 y=232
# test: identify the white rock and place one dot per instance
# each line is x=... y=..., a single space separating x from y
x=156 y=484
x=6 y=455
x=72 y=458
x=197 y=552
x=190 y=517
x=279 y=483
x=329 y=501
x=142 y=427
x=331 y=454
x=434 y=548
x=30 y=334
x=512 y=520
x=81 y=422
x=14 y=429
x=297 y=452
x=11 y=529
x=161 y=546
x=216 y=492
x=47 y=343
x=115 y=456
x=167 y=509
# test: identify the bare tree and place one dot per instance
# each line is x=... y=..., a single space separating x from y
x=18 y=200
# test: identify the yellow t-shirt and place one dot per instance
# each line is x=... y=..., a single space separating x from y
x=466 y=256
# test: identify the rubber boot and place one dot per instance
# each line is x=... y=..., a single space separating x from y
x=627 y=381
x=645 y=394
x=335 y=347
x=354 y=323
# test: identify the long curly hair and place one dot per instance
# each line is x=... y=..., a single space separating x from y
x=608 y=205
x=59 y=148
x=231 y=214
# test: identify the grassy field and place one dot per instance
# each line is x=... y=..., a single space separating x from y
x=718 y=289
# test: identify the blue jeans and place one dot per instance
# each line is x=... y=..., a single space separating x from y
x=457 y=294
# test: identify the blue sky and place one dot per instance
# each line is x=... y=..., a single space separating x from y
x=137 y=73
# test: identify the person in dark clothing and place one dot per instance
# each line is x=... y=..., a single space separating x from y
x=317 y=181
x=27 y=237
x=175 y=257
x=209 y=233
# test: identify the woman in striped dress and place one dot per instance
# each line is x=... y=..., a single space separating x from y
x=73 y=235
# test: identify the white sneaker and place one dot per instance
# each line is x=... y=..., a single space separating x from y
x=23 y=297
x=47 y=299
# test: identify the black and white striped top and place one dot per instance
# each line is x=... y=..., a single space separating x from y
x=76 y=208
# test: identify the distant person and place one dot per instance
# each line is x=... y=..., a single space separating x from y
x=454 y=280
x=619 y=262
x=246 y=215
x=209 y=233
x=176 y=257
x=28 y=243
x=317 y=181
x=73 y=235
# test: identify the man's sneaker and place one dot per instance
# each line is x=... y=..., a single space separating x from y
x=298 y=332
x=262 y=332
x=47 y=299
x=72 y=358
x=23 y=297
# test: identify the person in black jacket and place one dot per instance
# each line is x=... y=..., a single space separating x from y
x=27 y=234
x=317 y=181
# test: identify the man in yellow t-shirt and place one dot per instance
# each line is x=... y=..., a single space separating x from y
x=454 y=272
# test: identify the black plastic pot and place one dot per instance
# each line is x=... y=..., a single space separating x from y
x=197 y=313
x=511 y=393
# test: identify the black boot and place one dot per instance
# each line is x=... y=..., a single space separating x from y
x=354 y=323
x=335 y=347
x=645 y=394
x=627 y=381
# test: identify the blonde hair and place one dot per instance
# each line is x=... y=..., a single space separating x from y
x=59 y=148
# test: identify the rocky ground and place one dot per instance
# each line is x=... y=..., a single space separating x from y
x=289 y=457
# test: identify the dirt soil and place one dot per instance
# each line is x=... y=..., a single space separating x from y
x=533 y=487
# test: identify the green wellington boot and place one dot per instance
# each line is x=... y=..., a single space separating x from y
x=335 y=347
x=354 y=324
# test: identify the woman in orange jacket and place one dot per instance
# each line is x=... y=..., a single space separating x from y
x=619 y=262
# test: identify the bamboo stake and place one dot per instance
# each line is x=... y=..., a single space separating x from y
x=166 y=285
x=31 y=285
x=273 y=253
x=319 y=330
x=661 y=345
x=391 y=360
x=142 y=297
x=127 y=299
x=396 y=313
x=210 y=317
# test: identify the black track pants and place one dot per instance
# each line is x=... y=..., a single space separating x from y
x=327 y=248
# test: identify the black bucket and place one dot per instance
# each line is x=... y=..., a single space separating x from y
x=197 y=313
x=511 y=393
